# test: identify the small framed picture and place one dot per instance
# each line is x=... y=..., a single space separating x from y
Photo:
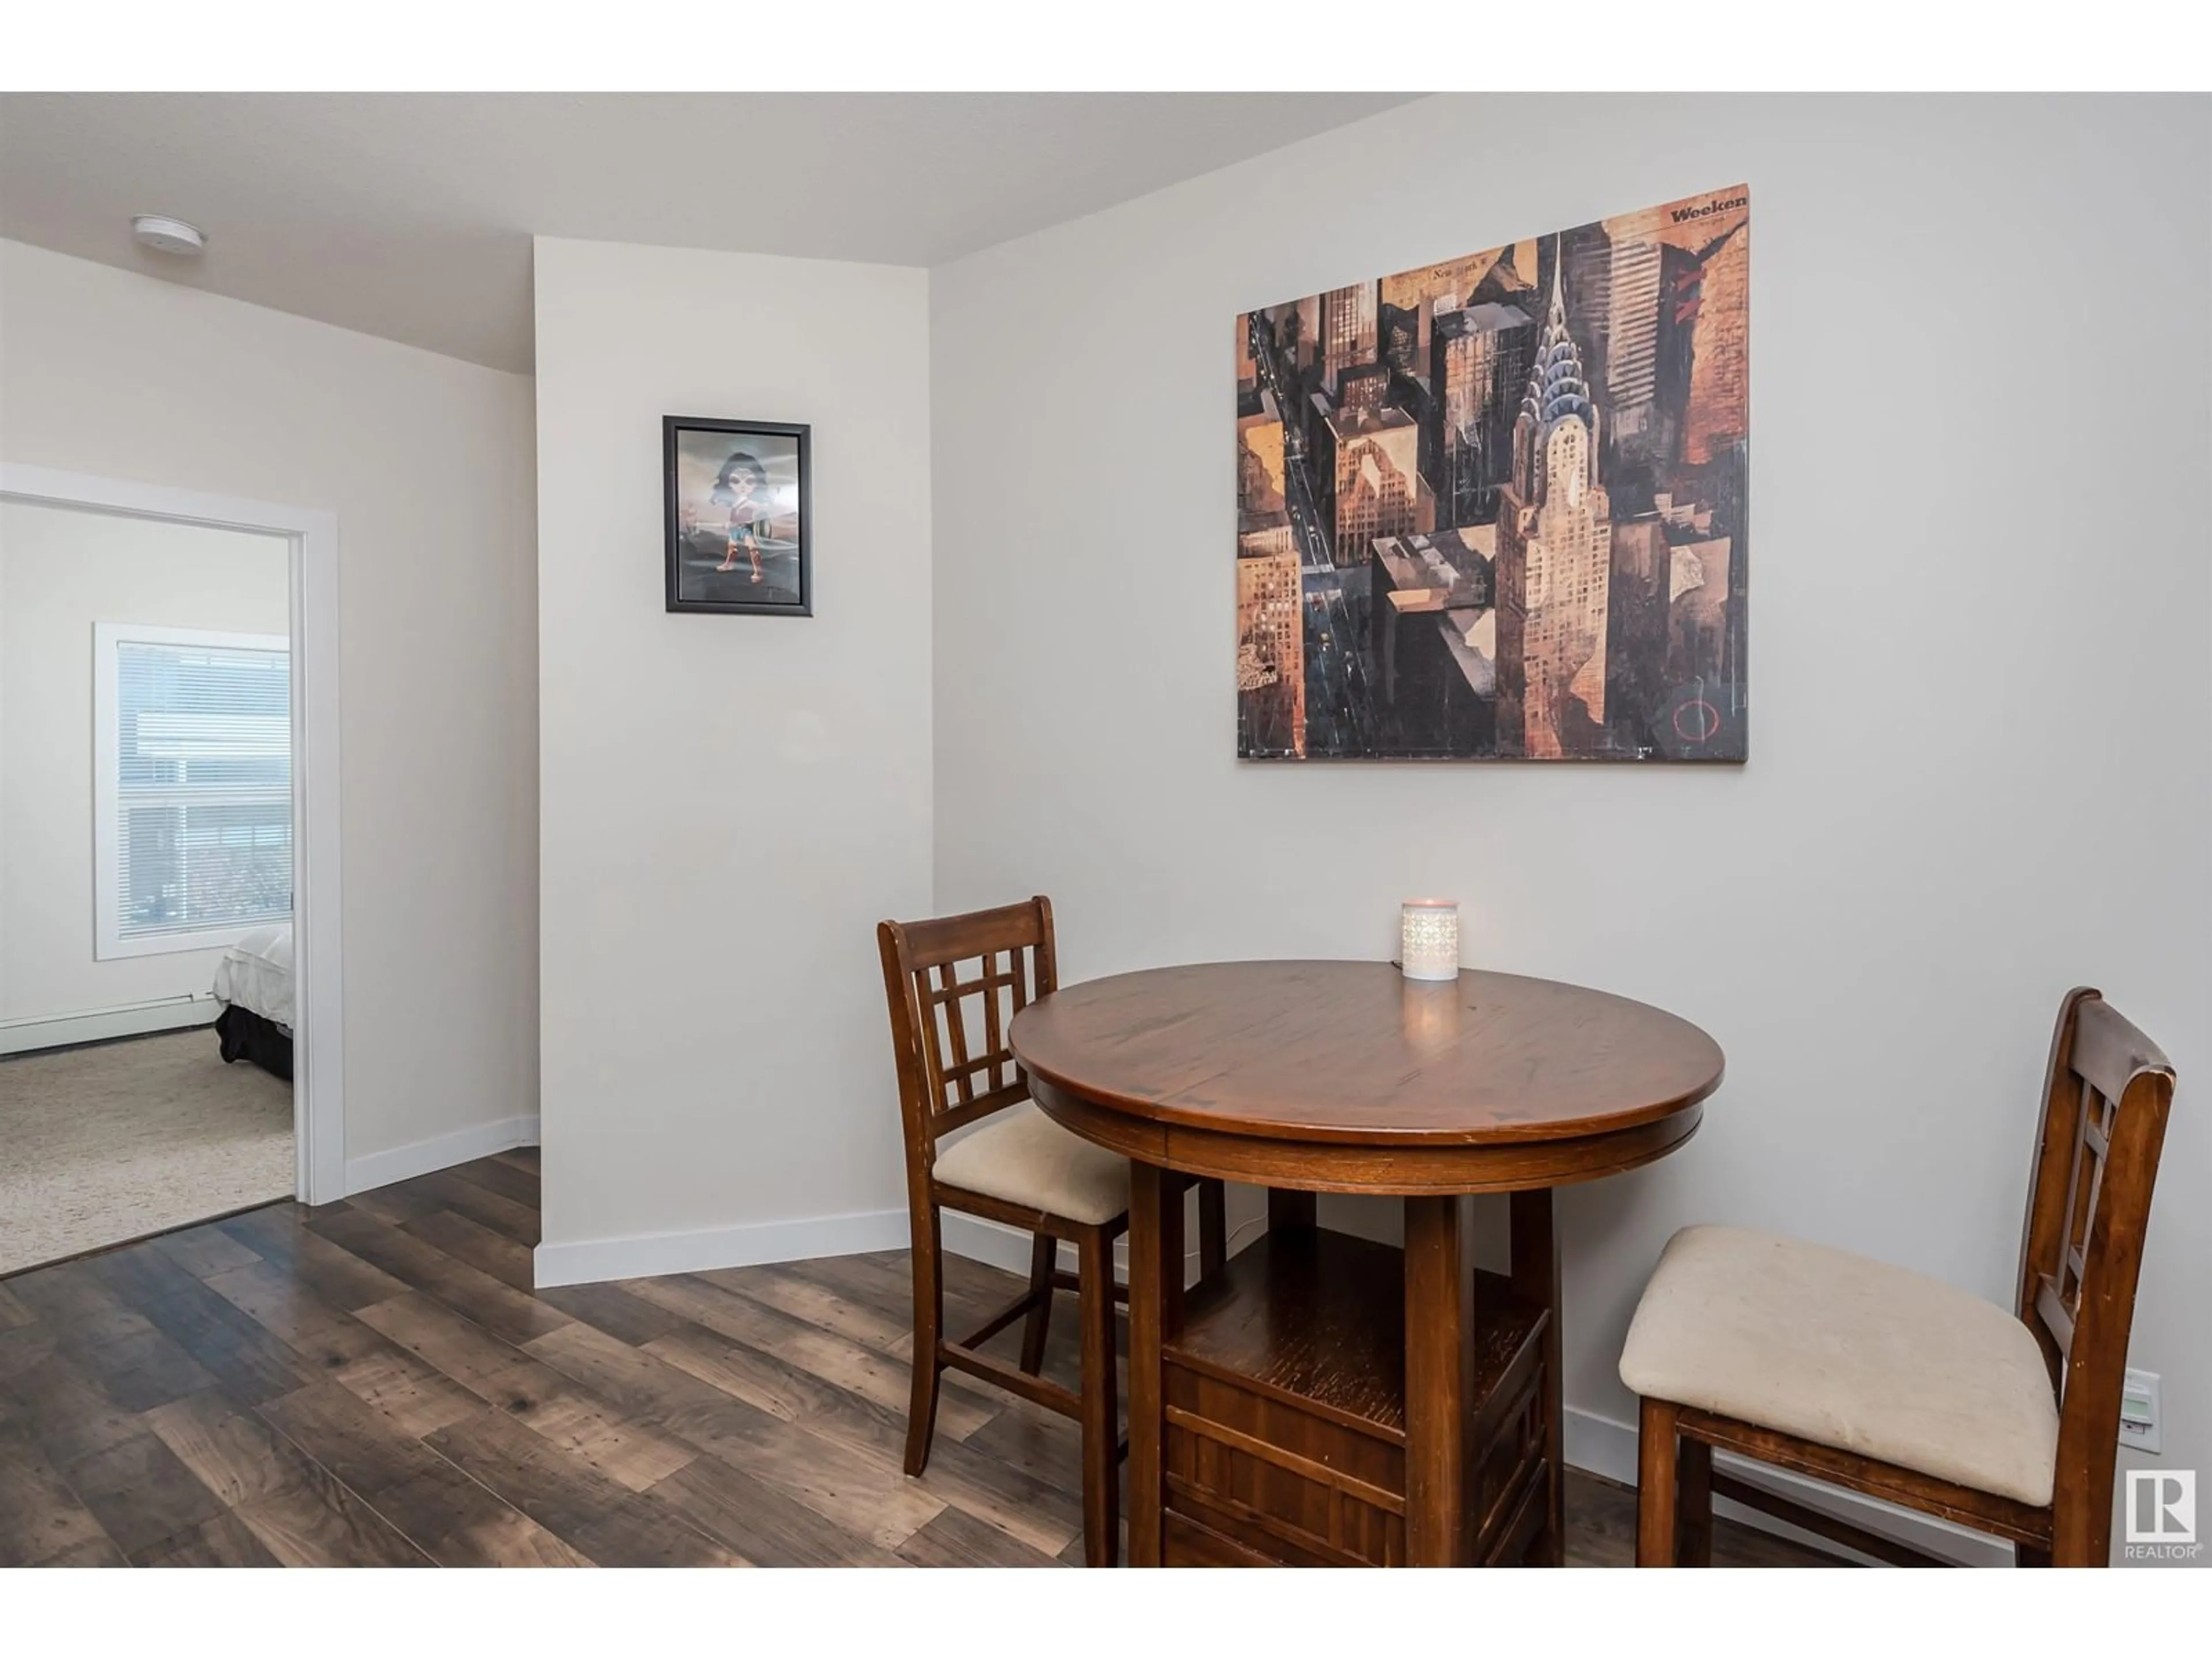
x=737 y=516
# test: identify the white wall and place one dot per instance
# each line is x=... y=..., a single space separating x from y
x=730 y=803
x=61 y=572
x=426 y=463
x=1980 y=595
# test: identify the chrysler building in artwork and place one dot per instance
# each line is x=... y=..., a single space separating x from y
x=1554 y=558
x=1497 y=507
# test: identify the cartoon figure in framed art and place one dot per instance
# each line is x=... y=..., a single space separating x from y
x=736 y=509
x=740 y=486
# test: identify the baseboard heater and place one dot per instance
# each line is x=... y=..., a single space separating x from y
x=98 y=1025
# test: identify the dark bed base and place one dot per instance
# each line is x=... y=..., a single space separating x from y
x=246 y=1035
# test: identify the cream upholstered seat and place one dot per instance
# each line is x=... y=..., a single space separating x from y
x=1023 y=1157
x=1847 y=1352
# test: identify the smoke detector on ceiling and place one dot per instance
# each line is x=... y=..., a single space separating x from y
x=167 y=235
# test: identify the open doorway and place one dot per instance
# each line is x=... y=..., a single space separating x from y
x=156 y=929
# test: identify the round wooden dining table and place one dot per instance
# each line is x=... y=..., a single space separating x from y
x=1321 y=1398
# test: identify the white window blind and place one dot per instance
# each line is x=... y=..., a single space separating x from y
x=194 y=794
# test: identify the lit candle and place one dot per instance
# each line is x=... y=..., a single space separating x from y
x=1428 y=939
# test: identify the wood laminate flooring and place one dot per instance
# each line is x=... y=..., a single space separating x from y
x=374 y=1382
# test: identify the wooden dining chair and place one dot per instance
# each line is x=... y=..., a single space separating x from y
x=1014 y=1165
x=1900 y=1387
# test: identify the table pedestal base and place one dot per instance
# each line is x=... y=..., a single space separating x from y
x=1327 y=1401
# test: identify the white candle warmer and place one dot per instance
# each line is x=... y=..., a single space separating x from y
x=1428 y=939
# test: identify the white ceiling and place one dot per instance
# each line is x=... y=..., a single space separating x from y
x=409 y=214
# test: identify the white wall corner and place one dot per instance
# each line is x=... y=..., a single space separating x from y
x=626 y=337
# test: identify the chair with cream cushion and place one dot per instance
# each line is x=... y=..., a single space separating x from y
x=974 y=1142
x=1022 y=1156
x=1902 y=1387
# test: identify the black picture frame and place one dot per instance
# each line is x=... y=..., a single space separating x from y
x=726 y=588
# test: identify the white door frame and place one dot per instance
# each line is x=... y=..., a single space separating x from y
x=318 y=1068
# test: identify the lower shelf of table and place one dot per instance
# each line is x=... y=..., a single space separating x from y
x=1284 y=1399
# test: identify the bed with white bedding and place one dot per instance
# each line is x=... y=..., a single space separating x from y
x=254 y=983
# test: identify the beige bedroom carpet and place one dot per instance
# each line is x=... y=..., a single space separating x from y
x=101 y=1145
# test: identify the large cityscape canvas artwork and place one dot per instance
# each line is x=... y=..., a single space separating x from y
x=1495 y=508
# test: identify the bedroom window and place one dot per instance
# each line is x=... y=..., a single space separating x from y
x=191 y=787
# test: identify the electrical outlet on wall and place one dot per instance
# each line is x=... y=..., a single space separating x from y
x=2139 y=1410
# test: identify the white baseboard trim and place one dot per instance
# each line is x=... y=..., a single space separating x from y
x=28 y=1035
x=1604 y=1447
x=588 y=1261
x=997 y=1245
x=992 y=1242
x=439 y=1152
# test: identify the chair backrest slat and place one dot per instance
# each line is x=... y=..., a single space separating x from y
x=938 y=1011
x=955 y=1117
x=2108 y=1050
x=2051 y=1311
x=946 y=1005
x=993 y=983
x=2106 y=1098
